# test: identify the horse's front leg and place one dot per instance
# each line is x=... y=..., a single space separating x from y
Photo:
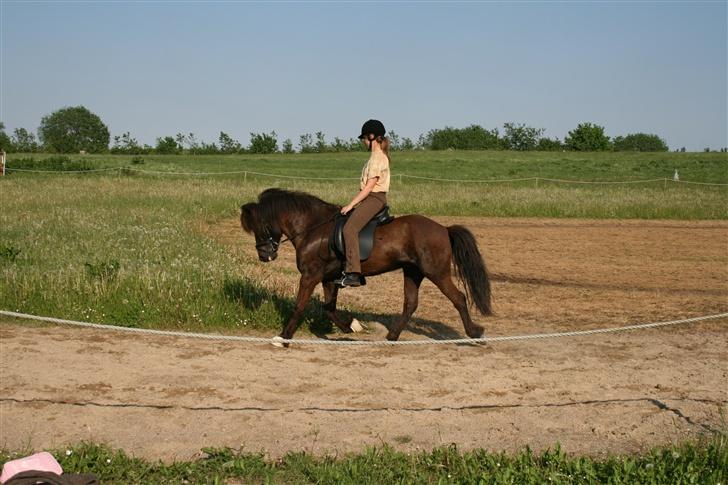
x=305 y=289
x=331 y=291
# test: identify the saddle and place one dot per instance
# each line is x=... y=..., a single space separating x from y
x=366 y=235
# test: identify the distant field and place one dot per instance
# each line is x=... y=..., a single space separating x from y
x=457 y=164
x=130 y=248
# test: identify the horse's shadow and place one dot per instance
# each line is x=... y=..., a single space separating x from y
x=251 y=295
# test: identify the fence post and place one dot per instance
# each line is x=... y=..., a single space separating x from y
x=2 y=163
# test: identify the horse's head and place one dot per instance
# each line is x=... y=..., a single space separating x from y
x=267 y=233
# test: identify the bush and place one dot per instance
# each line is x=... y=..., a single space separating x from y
x=167 y=146
x=263 y=143
x=640 y=142
x=587 y=137
x=521 y=137
x=58 y=163
x=549 y=145
x=473 y=137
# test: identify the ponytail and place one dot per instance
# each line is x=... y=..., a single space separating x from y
x=384 y=143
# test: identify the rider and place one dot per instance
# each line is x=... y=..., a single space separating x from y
x=372 y=198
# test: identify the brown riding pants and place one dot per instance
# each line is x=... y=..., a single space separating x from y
x=363 y=213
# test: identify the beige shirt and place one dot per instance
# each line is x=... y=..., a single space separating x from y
x=377 y=166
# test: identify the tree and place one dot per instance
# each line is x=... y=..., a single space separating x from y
x=587 y=137
x=24 y=141
x=228 y=144
x=167 y=146
x=5 y=143
x=288 y=146
x=521 y=137
x=640 y=142
x=263 y=142
x=126 y=144
x=305 y=144
x=70 y=130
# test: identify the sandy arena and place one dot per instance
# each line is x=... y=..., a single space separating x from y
x=165 y=397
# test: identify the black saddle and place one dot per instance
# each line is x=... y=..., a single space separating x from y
x=366 y=236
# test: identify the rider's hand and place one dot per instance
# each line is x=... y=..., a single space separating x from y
x=346 y=209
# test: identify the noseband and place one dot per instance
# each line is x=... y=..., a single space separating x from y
x=273 y=244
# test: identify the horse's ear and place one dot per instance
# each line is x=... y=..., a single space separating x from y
x=248 y=216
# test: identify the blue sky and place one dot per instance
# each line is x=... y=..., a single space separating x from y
x=158 y=68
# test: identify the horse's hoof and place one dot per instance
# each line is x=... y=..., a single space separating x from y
x=278 y=342
x=356 y=327
x=477 y=332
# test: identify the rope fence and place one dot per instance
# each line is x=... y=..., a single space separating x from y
x=278 y=340
x=401 y=176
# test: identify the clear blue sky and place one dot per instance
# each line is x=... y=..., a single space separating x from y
x=156 y=69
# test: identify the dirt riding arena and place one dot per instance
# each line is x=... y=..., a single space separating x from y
x=166 y=397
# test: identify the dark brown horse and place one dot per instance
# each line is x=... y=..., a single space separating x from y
x=419 y=246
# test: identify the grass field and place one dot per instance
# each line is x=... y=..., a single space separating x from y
x=128 y=248
x=704 y=463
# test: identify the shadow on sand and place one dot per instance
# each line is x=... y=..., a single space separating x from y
x=251 y=295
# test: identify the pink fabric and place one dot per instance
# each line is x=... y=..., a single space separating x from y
x=42 y=461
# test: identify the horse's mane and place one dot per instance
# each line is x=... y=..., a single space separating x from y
x=277 y=201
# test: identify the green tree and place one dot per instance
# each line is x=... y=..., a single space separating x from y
x=70 y=130
x=640 y=142
x=305 y=144
x=521 y=137
x=228 y=144
x=587 y=137
x=126 y=144
x=288 y=146
x=167 y=146
x=24 y=141
x=5 y=143
x=263 y=142
x=320 y=142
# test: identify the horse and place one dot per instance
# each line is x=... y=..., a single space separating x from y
x=419 y=246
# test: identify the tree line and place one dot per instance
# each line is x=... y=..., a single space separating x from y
x=78 y=130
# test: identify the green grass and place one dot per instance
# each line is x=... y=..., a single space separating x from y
x=127 y=248
x=457 y=164
x=702 y=463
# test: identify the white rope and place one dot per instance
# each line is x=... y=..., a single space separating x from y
x=238 y=338
x=468 y=180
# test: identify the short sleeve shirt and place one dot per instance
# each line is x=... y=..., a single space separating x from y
x=377 y=166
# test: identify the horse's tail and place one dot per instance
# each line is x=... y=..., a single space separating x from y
x=470 y=267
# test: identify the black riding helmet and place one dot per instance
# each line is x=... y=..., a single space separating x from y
x=372 y=127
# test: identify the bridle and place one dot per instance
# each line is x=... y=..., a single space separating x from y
x=275 y=244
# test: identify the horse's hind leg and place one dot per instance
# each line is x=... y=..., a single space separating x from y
x=448 y=288
x=412 y=280
x=331 y=291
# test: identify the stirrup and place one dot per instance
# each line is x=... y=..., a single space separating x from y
x=350 y=279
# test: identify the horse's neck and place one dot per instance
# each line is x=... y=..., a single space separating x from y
x=298 y=223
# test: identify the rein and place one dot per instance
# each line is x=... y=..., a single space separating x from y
x=275 y=245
